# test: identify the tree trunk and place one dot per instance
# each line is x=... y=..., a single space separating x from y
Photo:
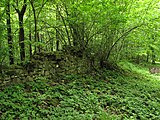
x=21 y=28
x=9 y=34
x=30 y=45
x=38 y=38
x=57 y=34
x=21 y=38
x=30 y=36
x=35 y=23
x=57 y=41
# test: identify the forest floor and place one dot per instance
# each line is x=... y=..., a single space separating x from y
x=133 y=95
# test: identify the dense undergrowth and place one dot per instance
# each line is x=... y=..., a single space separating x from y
x=134 y=95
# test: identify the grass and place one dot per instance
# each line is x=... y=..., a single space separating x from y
x=132 y=96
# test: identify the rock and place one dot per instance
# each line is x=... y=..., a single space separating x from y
x=154 y=70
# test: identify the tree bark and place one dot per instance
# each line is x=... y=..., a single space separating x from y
x=9 y=34
x=30 y=35
x=38 y=38
x=21 y=38
x=30 y=45
x=57 y=35
x=21 y=29
x=35 y=23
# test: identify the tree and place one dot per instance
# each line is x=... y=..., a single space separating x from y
x=30 y=35
x=36 y=34
x=9 y=33
x=143 y=42
x=104 y=29
x=21 y=13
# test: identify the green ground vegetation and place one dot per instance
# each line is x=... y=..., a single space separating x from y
x=131 y=95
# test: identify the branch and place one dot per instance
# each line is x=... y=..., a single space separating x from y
x=123 y=35
x=58 y=30
x=43 y=4
x=24 y=7
x=17 y=10
x=63 y=20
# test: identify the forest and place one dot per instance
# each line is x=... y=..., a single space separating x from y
x=79 y=60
